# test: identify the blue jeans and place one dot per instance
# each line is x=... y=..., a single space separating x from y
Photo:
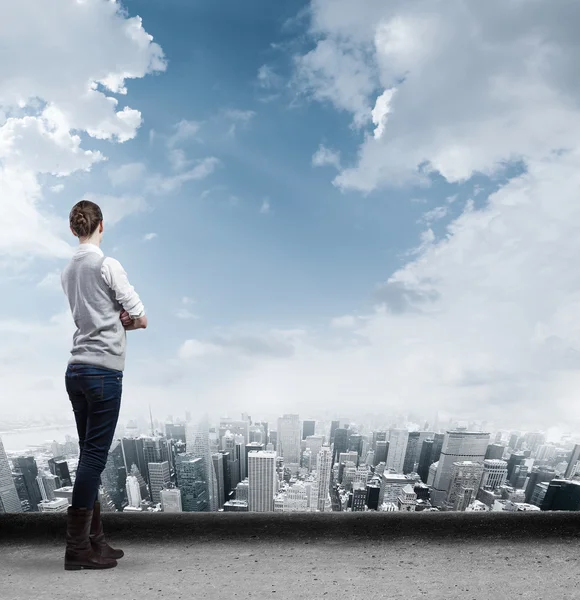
x=95 y=395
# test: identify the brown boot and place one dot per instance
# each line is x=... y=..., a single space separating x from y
x=98 y=542
x=79 y=554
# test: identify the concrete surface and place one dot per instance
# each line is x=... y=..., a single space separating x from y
x=437 y=569
x=154 y=528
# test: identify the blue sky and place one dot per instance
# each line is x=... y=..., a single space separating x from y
x=345 y=205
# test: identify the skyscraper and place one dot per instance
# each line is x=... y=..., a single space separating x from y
x=262 y=481
x=191 y=473
x=58 y=466
x=495 y=452
x=323 y=473
x=381 y=452
x=355 y=443
x=47 y=484
x=425 y=460
x=574 y=458
x=464 y=485
x=114 y=476
x=218 y=465
x=414 y=448
x=333 y=427
x=459 y=445
x=538 y=475
x=198 y=447
x=308 y=428
x=171 y=501
x=494 y=474
x=133 y=492
x=26 y=466
x=155 y=450
x=340 y=443
x=514 y=460
x=251 y=447
x=314 y=442
x=289 y=437
x=398 y=439
x=9 y=501
x=160 y=477
x=562 y=495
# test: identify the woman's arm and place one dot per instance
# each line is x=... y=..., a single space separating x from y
x=133 y=315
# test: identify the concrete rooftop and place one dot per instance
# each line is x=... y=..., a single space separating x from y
x=392 y=556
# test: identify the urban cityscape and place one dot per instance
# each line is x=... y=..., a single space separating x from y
x=291 y=465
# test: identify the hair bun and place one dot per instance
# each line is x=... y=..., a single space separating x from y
x=84 y=218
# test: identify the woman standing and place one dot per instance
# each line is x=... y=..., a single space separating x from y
x=104 y=305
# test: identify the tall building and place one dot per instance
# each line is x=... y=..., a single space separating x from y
x=494 y=474
x=539 y=493
x=438 y=440
x=323 y=474
x=574 y=458
x=391 y=486
x=562 y=494
x=262 y=481
x=425 y=460
x=407 y=500
x=333 y=427
x=133 y=492
x=538 y=475
x=219 y=468
x=114 y=476
x=355 y=443
x=515 y=459
x=240 y=457
x=171 y=501
x=534 y=440
x=373 y=494
x=160 y=478
x=459 y=446
x=251 y=447
x=414 y=448
x=26 y=466
x=308 y=428
x=315 y=443
x=236 y=427
x=495 y=452
x=546 y=452
x=289 y=437
x=191 y=481
x=243 y=491
x=58 y=466
x=398 y=439
x=9 y=500
x=359 y=497
x=58 y=505
x=132 y=451
x=47 y=484
x=175 y=432
x=381 y=452
x=340 y=443
x=378 y=436
x=155 y=450
x=464 y=484
x=198 y=446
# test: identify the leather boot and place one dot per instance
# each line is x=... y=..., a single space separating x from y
x=79 y=554
x=97 y=536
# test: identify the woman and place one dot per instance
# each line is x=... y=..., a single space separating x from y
x=104 y=305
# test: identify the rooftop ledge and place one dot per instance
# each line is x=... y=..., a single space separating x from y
x=440 y=556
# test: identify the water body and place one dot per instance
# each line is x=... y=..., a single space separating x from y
x=20 y=441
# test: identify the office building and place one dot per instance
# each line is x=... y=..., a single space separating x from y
x=252 y=447
x=355 y=443
x=533 y=440
x=494 y=474
x=539 y=493
x=515 y=459
x=243 y=491
x=381 y=452
x=236 y=506
x=519 y=477
x=160 y=478
x=47 y=483
x=373 y=494
x=546 y=452
x=414 y=448
x=323 y=477
x=459 y=446
x=133 y=492
x=236 y=427
x=425 y=459
x=333 y=427
x=262 y=481
x=340 y=443
x=495 y=452
x=391 y=486
x=171 y=501
x=220 y=472
x=464 y=484
x=9 y=500
x=132 y=451
x=359 y=497
x=64 y=492
x=198 y=446
x=26 y=467
x=273 y=437
x=398 y=439
x=155 y=450
x=289 y=437
x=378 y=436
x=308 y=429
x=191 y=481
x=58 y=505
x=314 y=443
x=562 y=494
x=574 y=458
x=59 y=468
x=407 y=500
x=114 y=477
x=175 y=432
x=538 y=475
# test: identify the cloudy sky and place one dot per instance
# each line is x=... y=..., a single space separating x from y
x=327 y=207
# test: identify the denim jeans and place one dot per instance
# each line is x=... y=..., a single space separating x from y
x=95 y=395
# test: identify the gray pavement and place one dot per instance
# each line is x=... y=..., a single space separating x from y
x=349 y=568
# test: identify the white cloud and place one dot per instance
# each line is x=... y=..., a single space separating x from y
x=116 y=208
x=51 y=106
x=149 y=237
x=57 y=189
x=184 y=130
x=126 y=174
x=265 y=209
x=159 y=184
x=345 y=322
x=325 y=156
x=475 y=86
x=50 y=282
x=435 y=214
x=268 y=78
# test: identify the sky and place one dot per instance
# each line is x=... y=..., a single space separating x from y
x=327 y=207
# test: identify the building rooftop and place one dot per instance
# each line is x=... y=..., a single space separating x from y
x=301 y=556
